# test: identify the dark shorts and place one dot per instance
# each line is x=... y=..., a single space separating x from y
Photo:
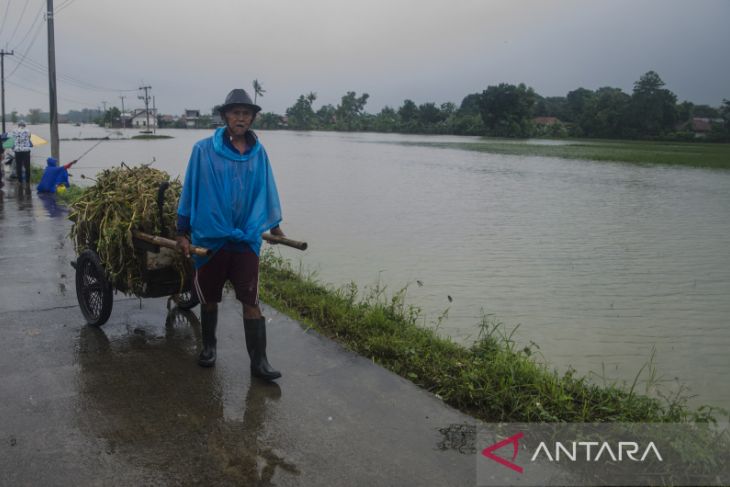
x=242 y=269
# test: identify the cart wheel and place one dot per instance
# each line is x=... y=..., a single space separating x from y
x=186 y=300
x=93 y=290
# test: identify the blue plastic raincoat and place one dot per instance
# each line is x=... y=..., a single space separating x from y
x=228 y=196
x=52 y=177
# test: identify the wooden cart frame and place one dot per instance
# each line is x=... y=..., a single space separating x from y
x=95 y=291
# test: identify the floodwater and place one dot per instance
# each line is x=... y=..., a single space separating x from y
x=600 y=264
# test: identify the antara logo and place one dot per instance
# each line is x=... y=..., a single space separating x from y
x=515 y=441
x=629 y=448
x=591 y=451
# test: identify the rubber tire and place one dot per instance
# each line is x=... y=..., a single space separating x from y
x=93 y=290
x=186 y=300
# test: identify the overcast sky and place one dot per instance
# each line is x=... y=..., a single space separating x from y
x=193 y=52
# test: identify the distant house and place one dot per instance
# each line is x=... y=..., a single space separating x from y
x=700 y=126
x=216 y=120
x=546 y=121
x=138 y=118
x=549 y=127
x=166 y=120
x=191 y=118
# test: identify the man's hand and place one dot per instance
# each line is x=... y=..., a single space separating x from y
x=183 y=244
x=278 y=232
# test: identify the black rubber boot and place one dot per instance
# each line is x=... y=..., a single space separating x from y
x=208 y=322
x=256 y=345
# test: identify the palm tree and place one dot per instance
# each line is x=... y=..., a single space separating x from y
x=258 y=90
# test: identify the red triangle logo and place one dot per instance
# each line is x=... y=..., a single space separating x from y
x=514 y=440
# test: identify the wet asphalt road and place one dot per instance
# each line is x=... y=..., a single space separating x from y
x=126 y=404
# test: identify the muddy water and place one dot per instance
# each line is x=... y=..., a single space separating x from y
x=598 y=263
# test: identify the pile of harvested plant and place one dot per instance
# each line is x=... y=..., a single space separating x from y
x=124 y=200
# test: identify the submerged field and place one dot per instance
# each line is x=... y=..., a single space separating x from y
x=683 y=153
x=493 y=380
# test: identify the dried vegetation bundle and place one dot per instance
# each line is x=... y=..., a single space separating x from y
x=124 y=200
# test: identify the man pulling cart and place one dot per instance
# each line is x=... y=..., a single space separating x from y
x=229 y=200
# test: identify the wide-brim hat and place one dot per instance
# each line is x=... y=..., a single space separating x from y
x=238 y=97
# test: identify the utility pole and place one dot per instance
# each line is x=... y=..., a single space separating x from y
x=103 y=114
x=3 y=53
x=146 y=99
x=55 y=151
x=122 y=97
x=154 y=112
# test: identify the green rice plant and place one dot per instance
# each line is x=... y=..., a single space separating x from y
x=638 y=152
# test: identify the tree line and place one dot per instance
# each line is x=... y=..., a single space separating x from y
x=651 y=111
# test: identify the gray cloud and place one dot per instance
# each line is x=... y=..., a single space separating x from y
x=193 y=52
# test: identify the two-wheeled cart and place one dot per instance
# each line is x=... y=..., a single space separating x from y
x=159 y=277
x=95 y=291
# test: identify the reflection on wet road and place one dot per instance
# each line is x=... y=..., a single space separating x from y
x=127 y=404
x=183 y=406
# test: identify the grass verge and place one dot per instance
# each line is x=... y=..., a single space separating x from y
x=493 y=380
x=71 y=194
x=672 y=153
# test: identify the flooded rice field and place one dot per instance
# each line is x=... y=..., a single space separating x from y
x=602 y=265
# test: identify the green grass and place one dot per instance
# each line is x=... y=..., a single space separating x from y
x=71 y=194
x=36 y=173
x=679 y=153
x=493 y=380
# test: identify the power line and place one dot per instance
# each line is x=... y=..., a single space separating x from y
x=30 y=46
x=26 y=61
x=5 y=17
x=44 y=72
x=20 y=20
x=64 y=5
x=29 y=63
x=70 y=100
x=30 y=29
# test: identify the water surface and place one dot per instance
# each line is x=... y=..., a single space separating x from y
x=598 y=263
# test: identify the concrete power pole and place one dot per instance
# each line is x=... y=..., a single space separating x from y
x=146 y=99
x=154 y=112
x=3 y=53
x=55 y=150
x=122 y=97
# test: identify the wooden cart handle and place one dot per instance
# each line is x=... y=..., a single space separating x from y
x=284 y=241
x=203 y=252
x=171 y=244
